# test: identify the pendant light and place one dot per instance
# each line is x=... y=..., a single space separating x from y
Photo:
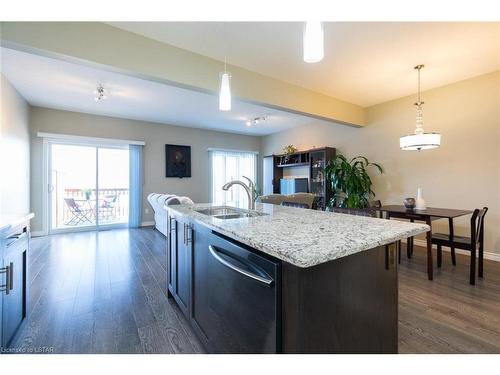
x=225 y=87
x=313 y=42
x=419 y=140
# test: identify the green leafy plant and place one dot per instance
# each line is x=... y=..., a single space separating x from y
x=87 y=193
x=289 y=150
x=350 y=182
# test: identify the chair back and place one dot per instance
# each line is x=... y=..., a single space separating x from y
x=352 y=211
x=109 y=201
x=295 y=204
x=477 y=226
x=71 y=203
x=374 y=207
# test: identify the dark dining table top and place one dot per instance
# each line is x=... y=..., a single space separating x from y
x=429 y=211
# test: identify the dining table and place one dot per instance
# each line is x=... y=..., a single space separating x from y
x=426 y=215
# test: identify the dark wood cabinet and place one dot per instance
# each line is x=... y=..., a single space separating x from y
x=200 y=294
x=349 y=305
x=315 y=160
x=179 y=262
x=13 y=281
x=318 y=184
x=14 y=309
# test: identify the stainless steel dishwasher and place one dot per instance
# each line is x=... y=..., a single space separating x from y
x=237 y=303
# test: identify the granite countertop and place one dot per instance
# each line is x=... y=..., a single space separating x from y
x=304 y=237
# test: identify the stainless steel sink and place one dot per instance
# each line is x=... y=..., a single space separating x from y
x=227 y=212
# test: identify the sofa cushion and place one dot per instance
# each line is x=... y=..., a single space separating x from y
x=158 y=203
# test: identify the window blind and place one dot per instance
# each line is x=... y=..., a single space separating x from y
x=226 y=166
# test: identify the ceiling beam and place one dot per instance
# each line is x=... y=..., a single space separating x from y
x=107 y=47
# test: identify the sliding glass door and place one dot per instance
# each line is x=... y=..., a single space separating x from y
x=88 y=186
x=112 y=185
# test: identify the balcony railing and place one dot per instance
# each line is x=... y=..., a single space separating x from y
x=111 y=206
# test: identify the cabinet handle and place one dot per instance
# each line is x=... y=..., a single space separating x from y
x=6 y=287
x=189 y=231
x=11 y=276
x=184 y=239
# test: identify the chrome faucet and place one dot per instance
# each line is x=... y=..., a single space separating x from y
x=248 y=188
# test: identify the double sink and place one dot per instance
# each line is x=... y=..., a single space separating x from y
x=228 y=212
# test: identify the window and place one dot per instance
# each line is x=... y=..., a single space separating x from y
x=226 y=166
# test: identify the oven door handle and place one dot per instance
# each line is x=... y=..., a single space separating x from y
x=268 y=281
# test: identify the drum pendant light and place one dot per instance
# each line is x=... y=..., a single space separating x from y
x=419 y=140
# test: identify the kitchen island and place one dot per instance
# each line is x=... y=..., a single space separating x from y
x=286 y=280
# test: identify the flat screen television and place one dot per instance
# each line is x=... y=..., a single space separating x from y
x=294 y=185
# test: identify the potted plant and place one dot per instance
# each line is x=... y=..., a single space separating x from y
x=350 y=182
x=288 y=151
x=87 y=193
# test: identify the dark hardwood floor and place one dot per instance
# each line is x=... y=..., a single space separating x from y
x=448 y=315
x=105 y=292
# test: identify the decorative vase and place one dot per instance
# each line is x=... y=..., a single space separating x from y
x=409 y=203
x=420 y=202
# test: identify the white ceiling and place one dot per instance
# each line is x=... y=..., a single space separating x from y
x=53 y=83
x=365 y=62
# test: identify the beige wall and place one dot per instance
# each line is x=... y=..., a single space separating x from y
x=155 y=136
x=463 y=173
x=14 y=151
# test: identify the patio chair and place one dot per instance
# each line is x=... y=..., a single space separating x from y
x=107 y=208
x=79 y=215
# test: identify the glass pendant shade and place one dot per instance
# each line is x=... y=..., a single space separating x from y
x=417 y=142
x=225 y=92
x=313 y=42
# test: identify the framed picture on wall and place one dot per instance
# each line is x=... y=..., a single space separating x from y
x=178 y=161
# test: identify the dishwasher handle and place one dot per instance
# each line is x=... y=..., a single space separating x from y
x=268 y=281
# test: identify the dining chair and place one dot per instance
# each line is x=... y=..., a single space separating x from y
x=375 y=205
x=474 y=243
x=295 y=204
x=352 y=211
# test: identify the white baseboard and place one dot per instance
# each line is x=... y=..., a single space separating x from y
x=147 y=223
x=487 y=255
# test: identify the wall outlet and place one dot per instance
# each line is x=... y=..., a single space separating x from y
x=146 y=210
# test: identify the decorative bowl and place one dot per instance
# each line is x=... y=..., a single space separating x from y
x=409 y=203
